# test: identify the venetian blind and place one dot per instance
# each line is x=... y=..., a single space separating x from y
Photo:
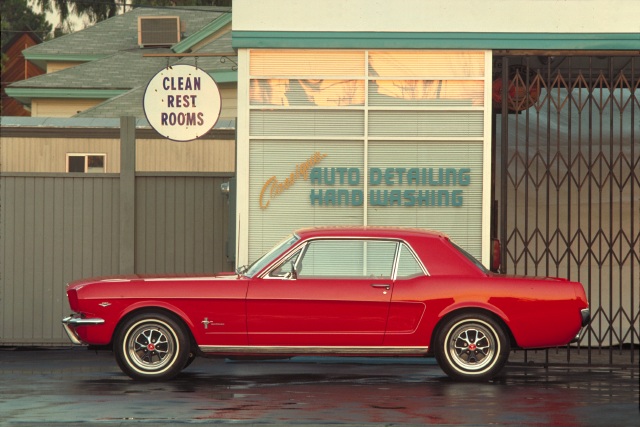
x=297 y=63
x=306 y=123
x=276 y=215
x=431 y=200
x=408 y=109
x=455 y=124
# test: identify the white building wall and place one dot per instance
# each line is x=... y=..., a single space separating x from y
x=520 y=16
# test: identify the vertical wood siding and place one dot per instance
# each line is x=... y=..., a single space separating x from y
x=181 y=225
x=54 y=230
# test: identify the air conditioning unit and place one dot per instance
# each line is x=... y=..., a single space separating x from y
x=158 y=30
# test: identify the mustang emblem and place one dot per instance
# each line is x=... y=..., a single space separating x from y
x=104 y=304
x=206 y=322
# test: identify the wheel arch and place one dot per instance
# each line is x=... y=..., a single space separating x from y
x=175 y=315
x=471 y=310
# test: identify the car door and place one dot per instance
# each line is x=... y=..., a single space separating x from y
x=408 y=316
x=338 y=294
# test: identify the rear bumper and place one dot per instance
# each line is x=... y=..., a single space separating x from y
x=585 y=313
x=586 y=316
x=69 y=324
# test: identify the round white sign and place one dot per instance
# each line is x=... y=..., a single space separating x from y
x=182 y=102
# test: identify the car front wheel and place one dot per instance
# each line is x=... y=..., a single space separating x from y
x=472 y=347
x=152 y=346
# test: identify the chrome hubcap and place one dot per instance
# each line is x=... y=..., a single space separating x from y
x=150 y=346
x=472 y=346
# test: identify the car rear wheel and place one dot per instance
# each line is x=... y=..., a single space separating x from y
x=152 y=346
x=472 y=347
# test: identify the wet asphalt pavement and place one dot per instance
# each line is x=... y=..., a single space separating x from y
x=77 y=387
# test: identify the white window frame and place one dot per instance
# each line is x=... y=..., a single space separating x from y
x=86 y=161
x=245 y=138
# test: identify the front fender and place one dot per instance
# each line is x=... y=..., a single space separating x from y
x=150 y=305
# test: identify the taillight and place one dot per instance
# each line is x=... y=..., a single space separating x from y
x=496 y=254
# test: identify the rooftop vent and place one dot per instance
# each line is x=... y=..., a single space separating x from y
x=158 y=30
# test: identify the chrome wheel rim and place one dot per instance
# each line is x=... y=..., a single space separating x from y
x=150 y=346
x=472 y=346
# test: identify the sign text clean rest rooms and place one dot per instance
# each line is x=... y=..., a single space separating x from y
x=182 y=102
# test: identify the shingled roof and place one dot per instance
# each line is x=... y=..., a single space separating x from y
x=119 y=33
x=120 y=70
x=130 y=103
x=116 y=69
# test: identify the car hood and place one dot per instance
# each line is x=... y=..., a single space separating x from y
x=142 y=278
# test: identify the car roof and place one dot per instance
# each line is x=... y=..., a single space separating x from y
x=368 y=232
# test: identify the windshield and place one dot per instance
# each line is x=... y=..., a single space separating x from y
x=470 y=258
x=277 y=250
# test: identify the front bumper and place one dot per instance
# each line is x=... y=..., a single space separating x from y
x=69 y=324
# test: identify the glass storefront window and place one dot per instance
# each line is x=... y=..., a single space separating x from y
x=333 y=135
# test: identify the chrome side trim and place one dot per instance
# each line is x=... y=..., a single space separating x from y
x=302 y=350
x=69 y=322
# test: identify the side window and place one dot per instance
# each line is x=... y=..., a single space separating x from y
x=285 y=270
x=408 y=267
x=348 y=258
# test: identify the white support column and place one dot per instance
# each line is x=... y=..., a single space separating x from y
x=242 y=159
x=486 y=161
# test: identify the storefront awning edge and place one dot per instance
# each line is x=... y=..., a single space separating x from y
x=414 y=40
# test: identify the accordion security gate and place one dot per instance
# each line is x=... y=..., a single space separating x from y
x=567 y=170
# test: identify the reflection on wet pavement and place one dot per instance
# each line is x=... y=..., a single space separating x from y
x=73 y=386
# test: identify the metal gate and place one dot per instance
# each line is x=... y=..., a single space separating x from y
x=567 y=173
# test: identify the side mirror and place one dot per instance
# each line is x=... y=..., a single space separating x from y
x=496 y=254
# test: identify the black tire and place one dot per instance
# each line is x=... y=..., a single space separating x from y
x=152 y=346
x=471 y=347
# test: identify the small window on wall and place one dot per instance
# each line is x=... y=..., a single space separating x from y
x=86 y=163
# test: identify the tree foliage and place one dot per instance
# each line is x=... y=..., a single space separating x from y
x=95 y=10
x=17 y=16
x=99 y=10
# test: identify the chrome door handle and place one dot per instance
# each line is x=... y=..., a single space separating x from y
x=380 y=285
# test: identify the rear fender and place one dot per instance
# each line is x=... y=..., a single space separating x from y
x=473 y=307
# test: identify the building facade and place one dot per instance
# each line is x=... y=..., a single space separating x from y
x=459 y=116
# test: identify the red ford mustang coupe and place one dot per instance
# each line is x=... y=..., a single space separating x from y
x=366 y=291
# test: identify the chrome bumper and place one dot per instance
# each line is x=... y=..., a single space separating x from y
x=69 y=322
x=586 y=316
x=585 y=313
